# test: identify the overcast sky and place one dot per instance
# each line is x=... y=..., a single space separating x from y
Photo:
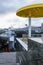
x=8 y=13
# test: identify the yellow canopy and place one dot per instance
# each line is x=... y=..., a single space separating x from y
x=35 y=10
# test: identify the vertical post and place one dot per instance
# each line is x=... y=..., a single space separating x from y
x=29 y=30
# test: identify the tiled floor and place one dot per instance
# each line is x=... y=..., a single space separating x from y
x=8 y=58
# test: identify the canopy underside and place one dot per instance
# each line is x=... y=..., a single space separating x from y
x=35 y=10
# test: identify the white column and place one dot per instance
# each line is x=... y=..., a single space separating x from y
x=29 y=30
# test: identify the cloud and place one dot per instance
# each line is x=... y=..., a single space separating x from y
x=38 y=1
x=13 y=5
x=28 y=2
x=9 y=5
x=8 y=16
x=10 y=19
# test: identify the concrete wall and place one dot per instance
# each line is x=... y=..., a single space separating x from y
x=34 y=55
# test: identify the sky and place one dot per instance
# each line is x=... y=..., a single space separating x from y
x=8 y=15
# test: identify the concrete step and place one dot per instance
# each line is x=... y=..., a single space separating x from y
x=8 y=58
x=17 y=63
x=10 y=64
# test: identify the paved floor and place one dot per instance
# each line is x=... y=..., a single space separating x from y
x=8 y=58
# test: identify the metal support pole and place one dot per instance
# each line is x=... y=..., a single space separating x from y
x=29 y=30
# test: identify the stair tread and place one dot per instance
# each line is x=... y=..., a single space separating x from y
x=8 y=58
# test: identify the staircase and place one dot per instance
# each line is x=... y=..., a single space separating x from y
x=8 y=58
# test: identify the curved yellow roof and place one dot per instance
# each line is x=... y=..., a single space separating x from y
x=35 y=10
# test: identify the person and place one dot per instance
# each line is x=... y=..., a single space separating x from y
x=11 y=42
